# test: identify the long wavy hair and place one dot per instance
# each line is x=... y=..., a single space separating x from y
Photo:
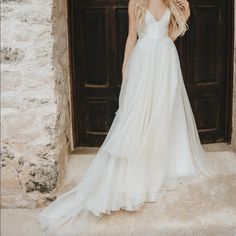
x=178 y=25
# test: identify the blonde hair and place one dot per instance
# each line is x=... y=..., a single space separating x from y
x=177 y=26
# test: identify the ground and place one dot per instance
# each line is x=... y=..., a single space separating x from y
x=206 y=208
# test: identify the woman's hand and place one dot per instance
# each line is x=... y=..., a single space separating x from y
x=185 y=6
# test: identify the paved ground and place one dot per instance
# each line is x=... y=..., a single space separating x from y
x=206 y=208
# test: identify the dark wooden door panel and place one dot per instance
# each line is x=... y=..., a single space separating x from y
x=206 y=67
x=98 y=35
x=94 y=67
x=99 y=31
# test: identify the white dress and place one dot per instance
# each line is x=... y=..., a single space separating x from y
x=152 y=142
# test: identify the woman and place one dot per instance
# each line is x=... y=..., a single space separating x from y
x=153 y=140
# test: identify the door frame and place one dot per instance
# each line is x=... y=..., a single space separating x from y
x=229 y=83
x=230 y=72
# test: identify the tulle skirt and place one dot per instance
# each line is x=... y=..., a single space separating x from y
x=152 y=145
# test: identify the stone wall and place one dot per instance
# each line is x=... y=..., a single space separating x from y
x=35 y=100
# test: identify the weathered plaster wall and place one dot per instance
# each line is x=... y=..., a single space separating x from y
x=35 y=99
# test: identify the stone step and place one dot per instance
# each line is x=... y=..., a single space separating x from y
x=203 y=208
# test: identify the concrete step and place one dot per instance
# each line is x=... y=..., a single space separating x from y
x=203 y=208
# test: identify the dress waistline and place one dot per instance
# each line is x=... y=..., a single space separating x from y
x=146 y=37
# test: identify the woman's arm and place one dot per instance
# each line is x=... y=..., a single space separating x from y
x=132 y=34
x=185 y=6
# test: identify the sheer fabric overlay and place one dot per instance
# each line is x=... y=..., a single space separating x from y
x=152 y=145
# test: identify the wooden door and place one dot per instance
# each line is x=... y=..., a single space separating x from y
x=98 y=30
x=98 y=34
x=206 y=57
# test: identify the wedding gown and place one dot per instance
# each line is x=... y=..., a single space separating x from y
x=152 y=141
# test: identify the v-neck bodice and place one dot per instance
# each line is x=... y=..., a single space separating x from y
x=163 y=14
x=154 y=28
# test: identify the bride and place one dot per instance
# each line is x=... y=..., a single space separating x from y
x=153 y=142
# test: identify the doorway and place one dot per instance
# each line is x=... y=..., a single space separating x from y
x=98 y=31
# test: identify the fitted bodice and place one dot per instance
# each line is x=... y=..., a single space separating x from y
x=154 y=29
